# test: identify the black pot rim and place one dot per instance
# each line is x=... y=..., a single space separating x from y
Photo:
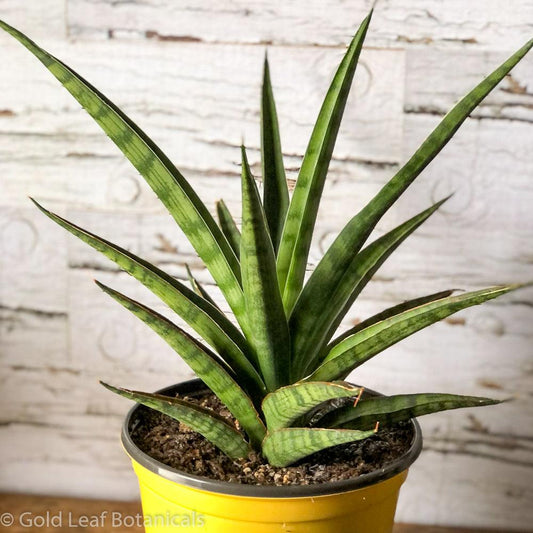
x=262 y=491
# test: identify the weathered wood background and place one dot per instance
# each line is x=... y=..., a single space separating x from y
x=189 y=72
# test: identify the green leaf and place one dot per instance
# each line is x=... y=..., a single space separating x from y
x=303 y=209
x=338 y=258
x=204 y=421
x=229 y=228
x=388 y=410
x=317 y=315
x=387 y=313
x=286 y=446
x=276 y=192
x=198 y=289
x=284 y=406
x=203 y=362
x=268 y=329
x=363 y=345
x=207 y=321
x=163 y=177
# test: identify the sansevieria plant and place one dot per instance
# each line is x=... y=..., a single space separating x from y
x=284 y=360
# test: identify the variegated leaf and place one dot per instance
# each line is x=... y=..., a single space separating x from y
x=285 y=405
x=389 y=410
x=329 y=274
x=317 y=316
x=275 y=189
x=207 y=320
x=228 y=226
x=268 y=329
x=303 y=209
x=168 y=183
x=365 y=344
x=204 y=421
x=288 y=445
x=204 y=363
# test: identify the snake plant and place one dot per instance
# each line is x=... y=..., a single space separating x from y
x=282 y=360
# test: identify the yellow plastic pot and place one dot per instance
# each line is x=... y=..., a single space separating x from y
x=175 y=501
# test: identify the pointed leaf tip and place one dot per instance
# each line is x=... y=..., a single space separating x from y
x=319 y=311
x=100 y=285
x=213 y=372
x=275 y=189
x=365 y=344
x=388 y=410
x=200 y=419
x=302 y=212
x=446 y=198
x=112 y=388
x=164 y=178
x=38 y=205
x=337 y=260
x=229 y=227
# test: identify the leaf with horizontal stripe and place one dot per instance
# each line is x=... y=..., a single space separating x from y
x=387 y=313
x=286 y=446
x=365 y=344
x=285 y=405
x=268 y=329
x=204 y=421
x=389 y=410
x=301 y=216
x=206 y=320
x=316 y=317
x=275 y=190
x=203 y=362
x=164 y=178
x=329 y=273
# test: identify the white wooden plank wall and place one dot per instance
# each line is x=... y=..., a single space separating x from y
x=189 y=73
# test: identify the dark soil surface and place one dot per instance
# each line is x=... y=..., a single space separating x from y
x=175 y=445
